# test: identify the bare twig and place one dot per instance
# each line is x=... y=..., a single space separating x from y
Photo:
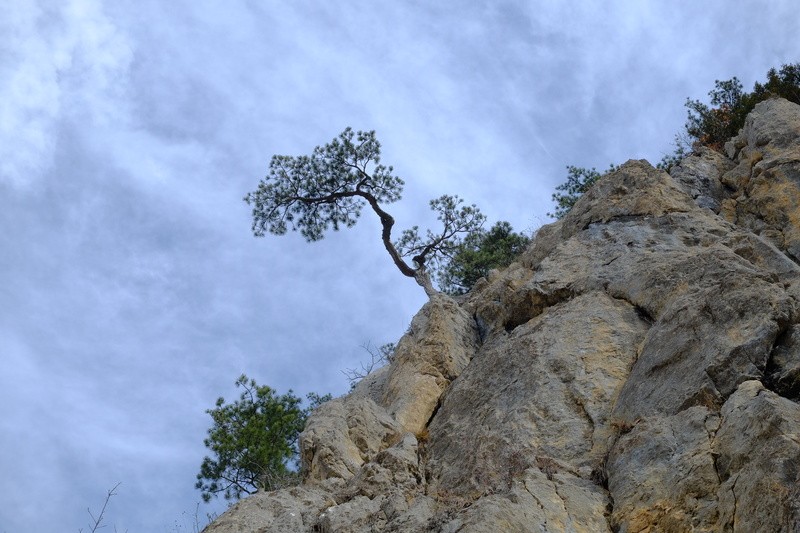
x=97 y=521
x=379 y=356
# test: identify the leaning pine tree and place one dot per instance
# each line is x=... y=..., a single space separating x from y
x=329 y=188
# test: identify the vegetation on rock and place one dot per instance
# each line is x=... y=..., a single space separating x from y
x=254 y=441
x=707 y=125
x=480 y=252
x=329 y=189
x=579 y=180
x=713 y=125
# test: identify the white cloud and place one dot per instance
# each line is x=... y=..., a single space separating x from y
x=136 y=294
x=65 y=62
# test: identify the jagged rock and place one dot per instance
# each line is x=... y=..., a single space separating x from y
x=699 y=175
x=441 y=342
x=636 y=370
x=359 y=514
x=293 y=509
x=396 y=467
x=758 y=460
x=783 y=368
x=537 y=501
x=346 y=432
x=542 y=391
x=662 y=474
x=343 y=434
x=767 y=177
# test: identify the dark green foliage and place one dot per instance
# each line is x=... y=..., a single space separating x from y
x=326 y=189
x=579 y=180
x=709 y=125
x=254 y=441
x=457 y=220
x=714 y=125
x=314 y=401
x=329 y=188
x=784 y=83
x=480 y=252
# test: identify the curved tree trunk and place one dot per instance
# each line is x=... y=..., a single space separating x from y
x=423 y=279
x=420 y=274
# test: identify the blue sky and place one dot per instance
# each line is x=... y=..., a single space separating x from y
x=134 y=294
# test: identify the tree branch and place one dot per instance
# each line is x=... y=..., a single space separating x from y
x=387 y=221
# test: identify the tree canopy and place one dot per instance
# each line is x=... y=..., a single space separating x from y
x=253 y=440
x=329 y=189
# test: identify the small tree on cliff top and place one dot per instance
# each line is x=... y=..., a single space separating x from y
x=329 y=188
x=253 y=441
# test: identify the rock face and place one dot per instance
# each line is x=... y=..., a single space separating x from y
x=637 y=370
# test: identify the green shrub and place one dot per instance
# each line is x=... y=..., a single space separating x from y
x=254 y=441
x=478 y=253
x=714 y=125
x=708 y=125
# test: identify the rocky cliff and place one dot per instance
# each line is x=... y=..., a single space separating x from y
x=637 y=370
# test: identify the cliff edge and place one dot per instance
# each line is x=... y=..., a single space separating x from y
x=637 y=369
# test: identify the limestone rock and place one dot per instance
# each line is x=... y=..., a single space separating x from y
x=439 y=346
x=662 y=475
x=396 y=467
x=359 y=514
x=294 y=509
x=767 y=176
x=537 y=501
x=699 y=175
x=758 y=460
x=542 y=391
x=636 y=370
x=347 y=432
x=343 y=434
x=783 y=370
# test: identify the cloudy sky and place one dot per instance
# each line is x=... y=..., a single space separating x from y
x=133 y=292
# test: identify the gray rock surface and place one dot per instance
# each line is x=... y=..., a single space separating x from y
x=766 y=179
x=439 y=345
x=698 y=174
x=542 y=392
x=637 y=370
x=346 y=433
x=663 y=476
x=758 y=461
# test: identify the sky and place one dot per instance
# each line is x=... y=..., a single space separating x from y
x=134 y=293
